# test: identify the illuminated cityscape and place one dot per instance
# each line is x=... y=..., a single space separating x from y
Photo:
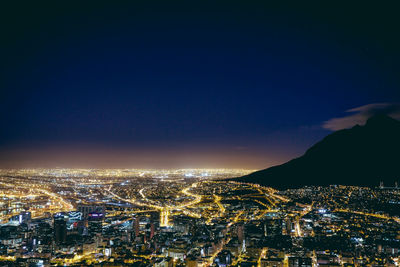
x=200 y=133
x=191 y=218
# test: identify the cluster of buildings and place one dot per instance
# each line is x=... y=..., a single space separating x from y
x=205 y=223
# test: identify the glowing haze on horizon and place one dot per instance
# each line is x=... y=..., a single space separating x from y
x=155 y=85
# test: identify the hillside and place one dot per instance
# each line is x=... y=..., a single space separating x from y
x=362 y=155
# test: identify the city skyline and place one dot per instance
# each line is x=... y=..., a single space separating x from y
x=199 y=134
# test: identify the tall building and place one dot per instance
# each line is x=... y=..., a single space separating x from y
x=240 y=233
x=152 y=230
x=95 y=223
x=289 y=226
x=60 y=228
x=137 y=227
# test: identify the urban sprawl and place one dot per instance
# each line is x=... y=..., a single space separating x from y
x=76 y=217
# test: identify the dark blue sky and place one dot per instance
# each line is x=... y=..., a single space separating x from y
x=186 y=84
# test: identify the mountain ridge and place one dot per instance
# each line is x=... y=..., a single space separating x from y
x=362 y=155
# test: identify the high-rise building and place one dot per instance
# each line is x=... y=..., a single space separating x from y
x=152 y=230
x=137 y=227
x=95 y=223
x=240 y=233
x=60 y=228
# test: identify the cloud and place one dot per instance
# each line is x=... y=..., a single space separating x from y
x=360 y=115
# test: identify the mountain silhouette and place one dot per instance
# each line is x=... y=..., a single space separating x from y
x=362 y=155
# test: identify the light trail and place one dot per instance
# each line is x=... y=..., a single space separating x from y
x=217 y=200
x=64 y=204
x=197 y=198
x=262 y=255
x=380 y=216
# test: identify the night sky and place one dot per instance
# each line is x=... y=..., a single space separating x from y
x=188 y=84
